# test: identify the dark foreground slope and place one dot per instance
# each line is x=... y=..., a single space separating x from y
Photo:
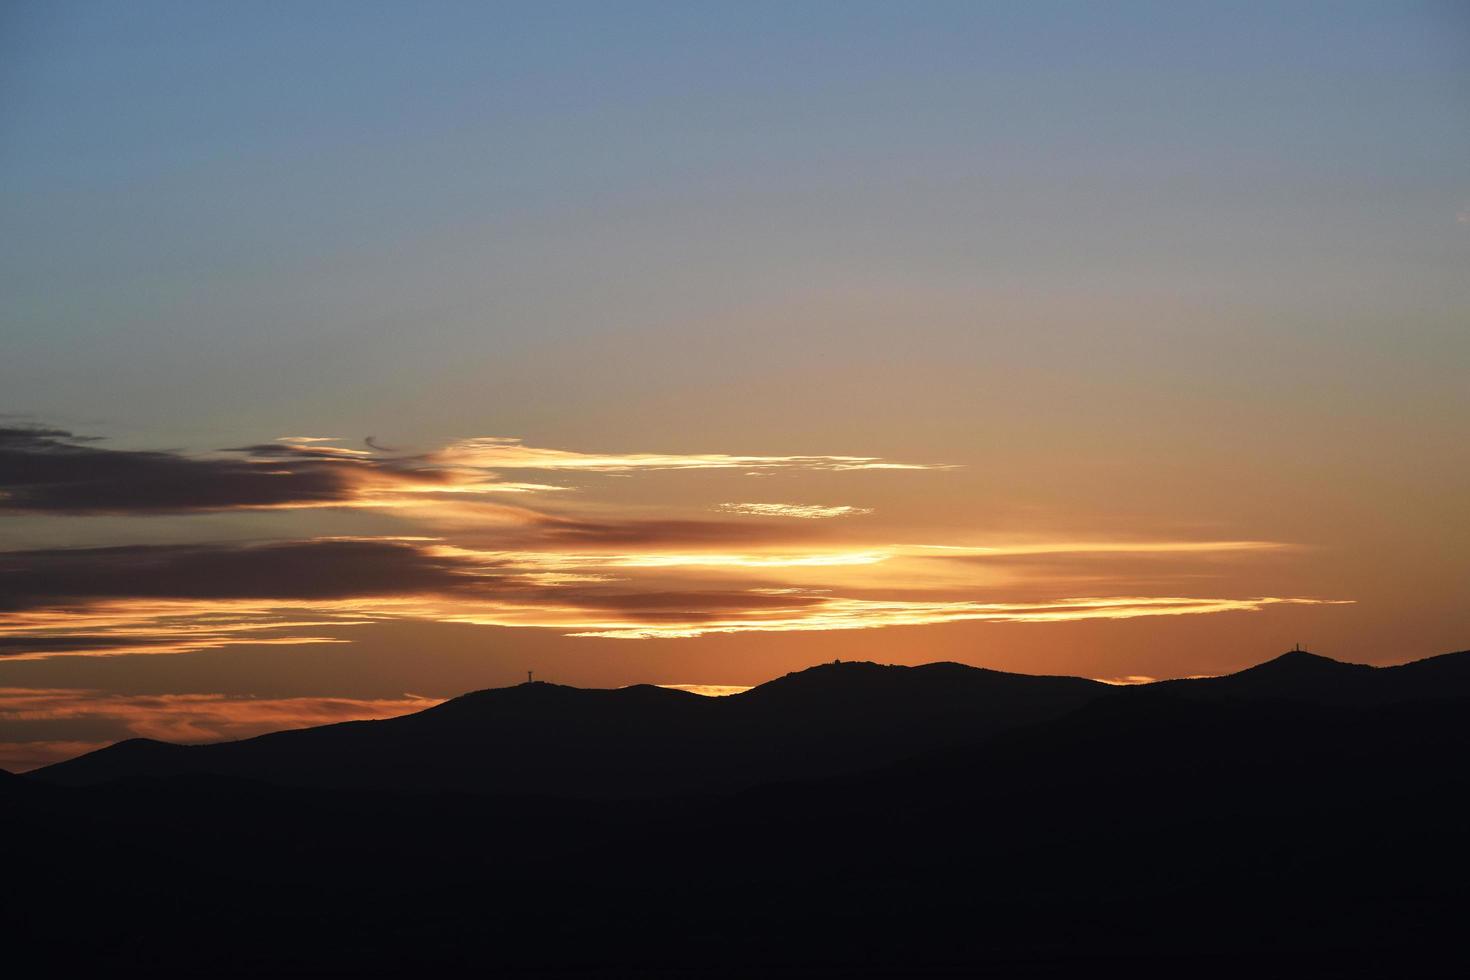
x=1145 y=831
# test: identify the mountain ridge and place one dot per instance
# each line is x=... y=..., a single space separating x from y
x=643 y=740
x=1147 y=828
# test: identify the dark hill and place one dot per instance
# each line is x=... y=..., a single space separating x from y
x=1303 y=676
x=635 y=741
x=646 y=741
x=1270 y=829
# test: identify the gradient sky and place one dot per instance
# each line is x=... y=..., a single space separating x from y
x=1119 y=340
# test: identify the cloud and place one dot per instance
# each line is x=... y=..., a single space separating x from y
x=54 y=471
x=765 y=567
x=823 y=559
x=1073 y=548
x=327 y=568
x=176 y=598
x=1133 y=679
x=646 y=532
x=840 y=613
x=804 y=511
x=709 y=690
x=172 y=598
x=106 y=717
x=503 y=453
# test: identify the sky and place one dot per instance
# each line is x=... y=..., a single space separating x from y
x=356 y=355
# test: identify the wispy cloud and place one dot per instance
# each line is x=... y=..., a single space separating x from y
x=837 y=613
x=53 y=471
x=1130 y=680
x=1020 y=549
x=585 y=569
x=503 y=453
x=823 y=559
x=804 y=511
x=47 y=470
x=710 y=690
x=164 y=599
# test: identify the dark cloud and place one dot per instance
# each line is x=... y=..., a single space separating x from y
x=685 y=607
x=49 y=597
x=54 y=471
x=663 y=533
x=290 y=451
x=75 y=643
x=685 y=603
x=301 y=570
x=690 y=607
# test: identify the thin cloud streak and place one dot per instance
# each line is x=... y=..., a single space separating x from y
x=834 y=613
x=170 y=599
x=585 y=571
x=498 y=453
x=55 y=471
x=149 y=628
x=709 y=690
x=1088 y=548
x=811 y=512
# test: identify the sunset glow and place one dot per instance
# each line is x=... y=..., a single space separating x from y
x=399 y=350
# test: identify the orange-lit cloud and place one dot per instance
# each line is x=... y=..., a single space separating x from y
x=710 y=690
x=497 y=453
x=824 y=559
x=838 y=613
x=1134 y=679
x=1089 y=548
x=167 y=599
x=121 y=626
x=586 y=570
x=44 y=470
x=804 y=511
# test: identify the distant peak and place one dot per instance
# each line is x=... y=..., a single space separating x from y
x=1300 y=656
x=1298 y=662
x=829 y=669
x=1304 y=656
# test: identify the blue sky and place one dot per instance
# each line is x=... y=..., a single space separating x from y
x=200 y=193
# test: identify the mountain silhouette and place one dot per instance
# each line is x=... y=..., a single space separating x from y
x=1302 y=817
x=1300 y=675
x=633 y=741
x=645 y=740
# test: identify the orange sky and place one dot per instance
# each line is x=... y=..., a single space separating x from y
x=372 y=581
x=695 y=344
